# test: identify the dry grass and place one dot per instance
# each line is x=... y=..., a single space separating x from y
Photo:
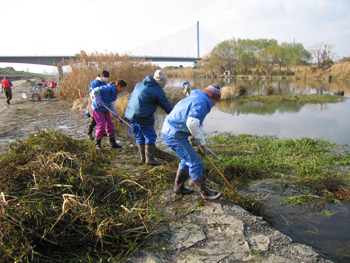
x=174 y=95
x=74 y=84
x=186 y=73
x=270 y=90
x=228 y=93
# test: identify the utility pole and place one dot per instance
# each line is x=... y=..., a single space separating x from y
x=198 y=39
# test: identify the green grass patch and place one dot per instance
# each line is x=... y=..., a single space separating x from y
x=306 y=162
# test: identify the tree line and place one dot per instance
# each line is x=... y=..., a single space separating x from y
x=243 y=56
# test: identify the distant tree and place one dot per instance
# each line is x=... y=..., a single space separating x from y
x=323 y=53
x=222 y=56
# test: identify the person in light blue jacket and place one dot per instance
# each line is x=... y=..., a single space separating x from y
x=103 y=100
x=143 y=102
x=186 y=120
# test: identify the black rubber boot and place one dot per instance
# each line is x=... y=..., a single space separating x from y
x=98 y=145
x=180 y=179
x=142 y=152
x=150 y=153
x=206 y=193
x=113 y=143
x=89 y=133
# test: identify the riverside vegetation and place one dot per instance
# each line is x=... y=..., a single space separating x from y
x=62 y=200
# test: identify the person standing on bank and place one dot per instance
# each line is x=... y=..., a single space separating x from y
x=143 y=102
x=186 y=120
x=7 y=84
x=103 y=98
x=187 y=88
x=99 y=81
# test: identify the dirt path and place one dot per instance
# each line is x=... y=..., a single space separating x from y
x=25 y=116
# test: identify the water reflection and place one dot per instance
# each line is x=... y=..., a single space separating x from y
x=257 y=86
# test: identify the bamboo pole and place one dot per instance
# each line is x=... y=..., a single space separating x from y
x=218 y=171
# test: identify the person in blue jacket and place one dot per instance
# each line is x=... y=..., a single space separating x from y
x=186 y=120
x=103 y=102
x=143 y=102
x=99 y=81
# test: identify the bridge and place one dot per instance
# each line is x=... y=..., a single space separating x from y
x=172 y=48
x=62 y=60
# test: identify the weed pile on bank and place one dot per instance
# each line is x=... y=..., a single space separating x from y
x=62 y=200
x=308 y=163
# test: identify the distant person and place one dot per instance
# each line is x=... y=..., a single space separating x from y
x=7 y=84
x=186 y=120
x=187 y=88
x=143 y=102
x=103 y=101
x=99 y=81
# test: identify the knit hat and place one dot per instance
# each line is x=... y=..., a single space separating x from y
x=213 y=91
x=160 y=77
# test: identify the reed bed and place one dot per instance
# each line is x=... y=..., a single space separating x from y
x=85 y=68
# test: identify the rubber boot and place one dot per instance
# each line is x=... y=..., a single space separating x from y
x=113 y=143
x=89 y=133
x=206 y=193
x=150 y=153
x=98 y=145
x=142 y=152
x=179 y=187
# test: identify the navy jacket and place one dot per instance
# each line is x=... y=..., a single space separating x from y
x=144 y=100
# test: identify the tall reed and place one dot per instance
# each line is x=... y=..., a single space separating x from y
x=85 y=68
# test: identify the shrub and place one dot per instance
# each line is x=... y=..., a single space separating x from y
x=270 y=90
x=241 y=89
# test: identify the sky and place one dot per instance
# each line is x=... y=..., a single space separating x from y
x=52 y=27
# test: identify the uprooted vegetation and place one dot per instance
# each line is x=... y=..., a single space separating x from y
x=62 y=200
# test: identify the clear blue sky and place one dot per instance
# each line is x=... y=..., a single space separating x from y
x=42 y=27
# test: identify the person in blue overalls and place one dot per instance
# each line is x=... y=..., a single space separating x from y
x=186 y=120
x=143 y=102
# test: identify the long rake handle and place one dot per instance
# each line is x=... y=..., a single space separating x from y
x=218 y=171
x=119 y=117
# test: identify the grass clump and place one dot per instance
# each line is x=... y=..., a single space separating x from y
x=241 y=89
x=64 y=201
x=308 y=163
x=270 y=90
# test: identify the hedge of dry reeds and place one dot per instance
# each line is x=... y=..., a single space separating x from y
x=85 y=68
x=186 y=73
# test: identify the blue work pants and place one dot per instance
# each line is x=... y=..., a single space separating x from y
x=189 y=160
x=144 y=134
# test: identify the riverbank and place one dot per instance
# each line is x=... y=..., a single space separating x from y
x=169 y=229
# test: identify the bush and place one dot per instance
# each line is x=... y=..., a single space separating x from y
x=241 y=89
x=270 y=90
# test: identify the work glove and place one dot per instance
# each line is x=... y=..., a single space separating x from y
x=194 y=142
x=204 y=152
x=115 y=114
x=100 y=102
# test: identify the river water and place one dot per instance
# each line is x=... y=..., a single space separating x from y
x=326 y=231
